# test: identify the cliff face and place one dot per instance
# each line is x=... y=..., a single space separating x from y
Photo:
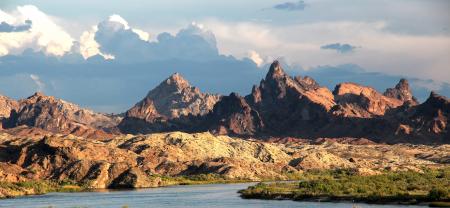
x=234 y=116
x=285 y=103
x=360 y=101
x=6 y=106
x=173 y=99
x=424 y=122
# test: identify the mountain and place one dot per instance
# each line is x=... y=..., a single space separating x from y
x=402 y=92
x=172 y=99
x=280 y=106
x=424 y=122
x=6 y=106
x=360 y=101
x=56 y=115
x=299 y=107
x=285 y=103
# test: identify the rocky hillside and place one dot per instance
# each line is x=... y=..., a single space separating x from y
x=59 y=116
x=131 y=161
x=6 y=106
x=173 y=99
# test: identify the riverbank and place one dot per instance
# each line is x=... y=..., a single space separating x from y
x=430 y=187
x=38 y=187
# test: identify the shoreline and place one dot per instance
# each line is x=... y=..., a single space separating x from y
x=18 y=190
x=273 y=196
x=334 y=199
x=400 y=188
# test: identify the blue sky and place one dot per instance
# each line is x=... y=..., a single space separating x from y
x=148 y=40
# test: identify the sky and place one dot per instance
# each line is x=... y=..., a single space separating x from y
x=106 y=55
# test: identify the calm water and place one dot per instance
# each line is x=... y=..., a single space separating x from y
x=217 y=195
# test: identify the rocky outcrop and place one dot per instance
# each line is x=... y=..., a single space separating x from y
x=128 y=161
x=234 y=116
x=173 y=99
x=56 y=115
x=424 y=123
x=6 y=106
x=402 y=92
x=360 y=101
x=285 y=103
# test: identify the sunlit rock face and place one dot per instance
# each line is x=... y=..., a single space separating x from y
x=56 y=115
x=174 y=98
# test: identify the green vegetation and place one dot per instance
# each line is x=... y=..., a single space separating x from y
x=402 y=187
x=210 y=178
x=37 y=187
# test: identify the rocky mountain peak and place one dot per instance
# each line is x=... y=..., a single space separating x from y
x=402 y=92
x=275 y=71
x=437 y=100
x=172 y=99
x=178 y=81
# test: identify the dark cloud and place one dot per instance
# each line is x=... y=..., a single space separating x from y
x=340 y=48
x=192 y=43
x=5 y=27
x=291 y=6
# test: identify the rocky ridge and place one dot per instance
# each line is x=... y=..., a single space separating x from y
x=58 y=116
x=134 y=161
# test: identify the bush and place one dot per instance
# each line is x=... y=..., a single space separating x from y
x=436 y=194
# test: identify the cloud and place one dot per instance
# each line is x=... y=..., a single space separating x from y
x=44 y=35
x=115 y=37
x=291 y=6
x=300 y=43
x=255 y=57
x=40 y=85
x=114 y=64
x=5 y=27
x=340 y=48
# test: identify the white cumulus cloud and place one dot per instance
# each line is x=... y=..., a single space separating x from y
x=44 y=35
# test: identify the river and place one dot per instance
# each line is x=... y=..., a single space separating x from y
x=214 y=196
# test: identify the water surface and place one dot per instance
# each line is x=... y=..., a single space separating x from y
x=214 y=196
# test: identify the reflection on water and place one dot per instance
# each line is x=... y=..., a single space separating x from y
x=216 y=195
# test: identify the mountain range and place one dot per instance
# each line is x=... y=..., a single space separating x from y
x=279 y=106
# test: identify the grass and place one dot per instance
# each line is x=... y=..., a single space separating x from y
x=196 y=179
x=38 y=187
x=401 y=187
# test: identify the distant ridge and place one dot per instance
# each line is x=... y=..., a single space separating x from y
x=280 y=106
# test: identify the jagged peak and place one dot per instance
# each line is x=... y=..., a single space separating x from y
x=437 y=98
x=402 y=84
x=39 y=95
x=174 y=83
x=275 y=70
x=401 y=91
x=177 y=80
